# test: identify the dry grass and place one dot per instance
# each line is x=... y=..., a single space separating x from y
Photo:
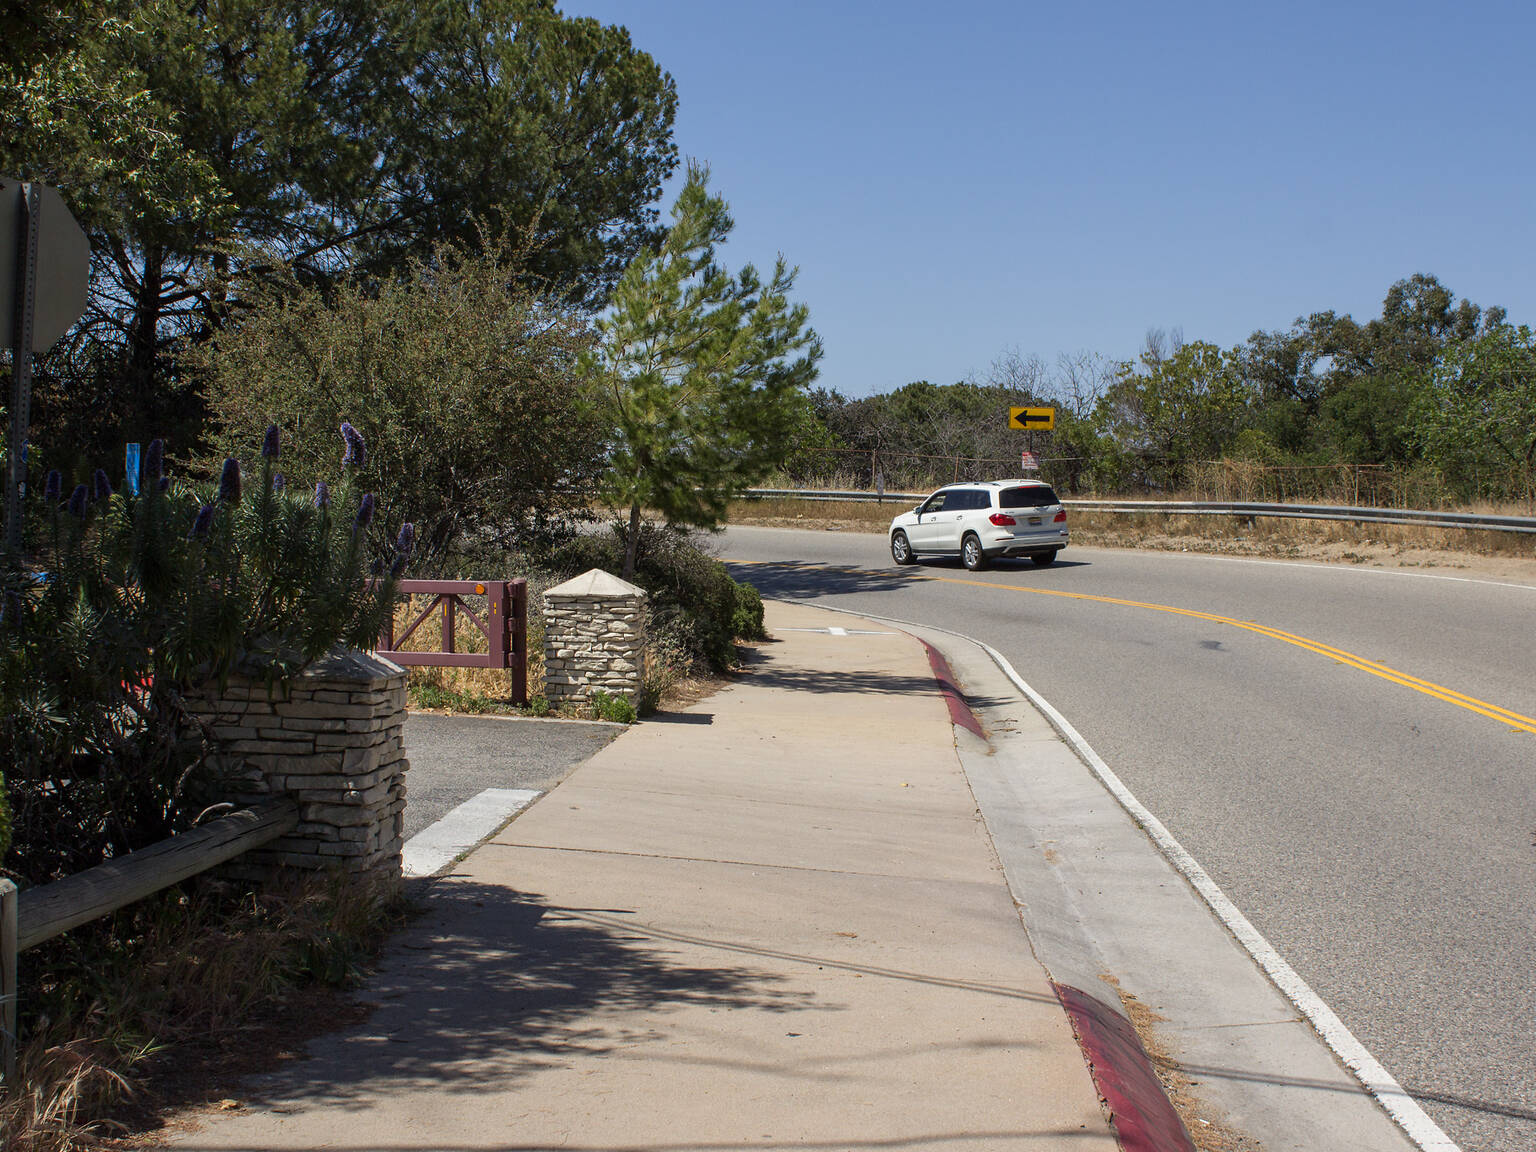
x=150 y=1005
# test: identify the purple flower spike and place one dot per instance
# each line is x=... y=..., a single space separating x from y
x=406 y=541
x=278 y=483
x=202 y=523
x=356 y=452
x=365 y=510
x=101 y=487
x=154 y=459
x=269 y=442
x=229 y=481
x=322 y=495
x=77 y=500
x=164 y=484
x=53 y=487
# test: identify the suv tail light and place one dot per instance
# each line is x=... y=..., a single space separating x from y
x=1002 y=519
x=1060 y=517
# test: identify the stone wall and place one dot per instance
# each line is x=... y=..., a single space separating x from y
x=594 y=639
x=333 y=743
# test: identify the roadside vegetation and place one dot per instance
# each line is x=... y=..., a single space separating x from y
x=1431 y=404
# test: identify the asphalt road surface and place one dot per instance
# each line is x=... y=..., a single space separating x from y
x=1350 y=753
x=455 y=758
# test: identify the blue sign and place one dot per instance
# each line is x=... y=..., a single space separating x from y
x=133 y=469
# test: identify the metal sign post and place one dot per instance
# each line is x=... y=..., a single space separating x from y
x=45 y=266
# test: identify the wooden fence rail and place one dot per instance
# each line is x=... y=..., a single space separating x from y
x=28 y=918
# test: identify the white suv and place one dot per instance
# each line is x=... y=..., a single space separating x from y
x=980 y=521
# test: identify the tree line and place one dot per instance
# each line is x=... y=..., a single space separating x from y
x=1436 y=393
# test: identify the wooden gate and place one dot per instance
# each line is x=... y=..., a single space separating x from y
x=504 y=626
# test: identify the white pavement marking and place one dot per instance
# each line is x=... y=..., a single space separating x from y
x=436 y=845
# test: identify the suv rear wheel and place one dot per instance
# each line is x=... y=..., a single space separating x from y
x=971 y=554
x=1044 y=558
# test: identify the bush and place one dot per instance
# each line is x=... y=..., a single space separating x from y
x=467 y=390
x=615 y=709
x=134 y=601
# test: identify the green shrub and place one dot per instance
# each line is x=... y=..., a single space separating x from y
x=747 y=619
x=135 y=600
x=616 y=709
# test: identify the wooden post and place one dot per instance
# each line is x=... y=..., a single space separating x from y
x=8 y=951
x=517 y=624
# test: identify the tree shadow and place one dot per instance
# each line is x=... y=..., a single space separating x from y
x=871 y=681
x=797 y=580
x=491 y=985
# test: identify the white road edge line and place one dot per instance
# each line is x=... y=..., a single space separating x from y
x=1375 y=1079
x=438 y=845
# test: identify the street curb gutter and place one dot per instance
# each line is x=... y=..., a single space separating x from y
x=1409 y=1119
x=1142 y=1116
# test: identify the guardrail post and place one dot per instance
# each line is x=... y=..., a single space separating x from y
x=8 y=981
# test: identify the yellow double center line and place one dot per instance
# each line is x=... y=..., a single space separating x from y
x=1514 y=719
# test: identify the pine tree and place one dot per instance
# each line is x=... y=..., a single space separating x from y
x=700 y=375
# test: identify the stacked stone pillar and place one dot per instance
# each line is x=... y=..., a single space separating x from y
x=594 y=639
x=332 y=742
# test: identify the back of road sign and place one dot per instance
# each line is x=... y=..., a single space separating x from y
x=63 y=265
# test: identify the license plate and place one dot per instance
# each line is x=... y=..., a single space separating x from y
x=1036 y=520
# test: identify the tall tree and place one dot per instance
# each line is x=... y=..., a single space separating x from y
x=326 y=135
x=700 y=374
x=1178 y=409
x=1476 y=416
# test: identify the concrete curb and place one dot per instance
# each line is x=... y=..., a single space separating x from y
x=1143 y=1118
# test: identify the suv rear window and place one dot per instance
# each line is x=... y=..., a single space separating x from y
x=1030 y=497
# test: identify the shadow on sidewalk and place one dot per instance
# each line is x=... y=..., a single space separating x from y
x=491 y=985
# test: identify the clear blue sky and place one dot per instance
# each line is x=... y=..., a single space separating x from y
x=959 y=180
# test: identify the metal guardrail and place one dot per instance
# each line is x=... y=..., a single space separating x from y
x=1241 y=509
x=29 y=917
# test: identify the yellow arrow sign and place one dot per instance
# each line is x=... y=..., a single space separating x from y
x=1027 y=418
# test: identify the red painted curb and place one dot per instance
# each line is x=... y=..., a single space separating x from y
x=1139 y=1109
x=959 y=711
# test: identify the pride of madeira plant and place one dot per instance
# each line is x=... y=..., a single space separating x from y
x=129 y=602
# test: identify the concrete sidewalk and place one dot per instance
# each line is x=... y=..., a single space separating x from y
x=775 y=920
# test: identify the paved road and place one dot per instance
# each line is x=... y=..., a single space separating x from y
x=1327 y=741
x=454 y=758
